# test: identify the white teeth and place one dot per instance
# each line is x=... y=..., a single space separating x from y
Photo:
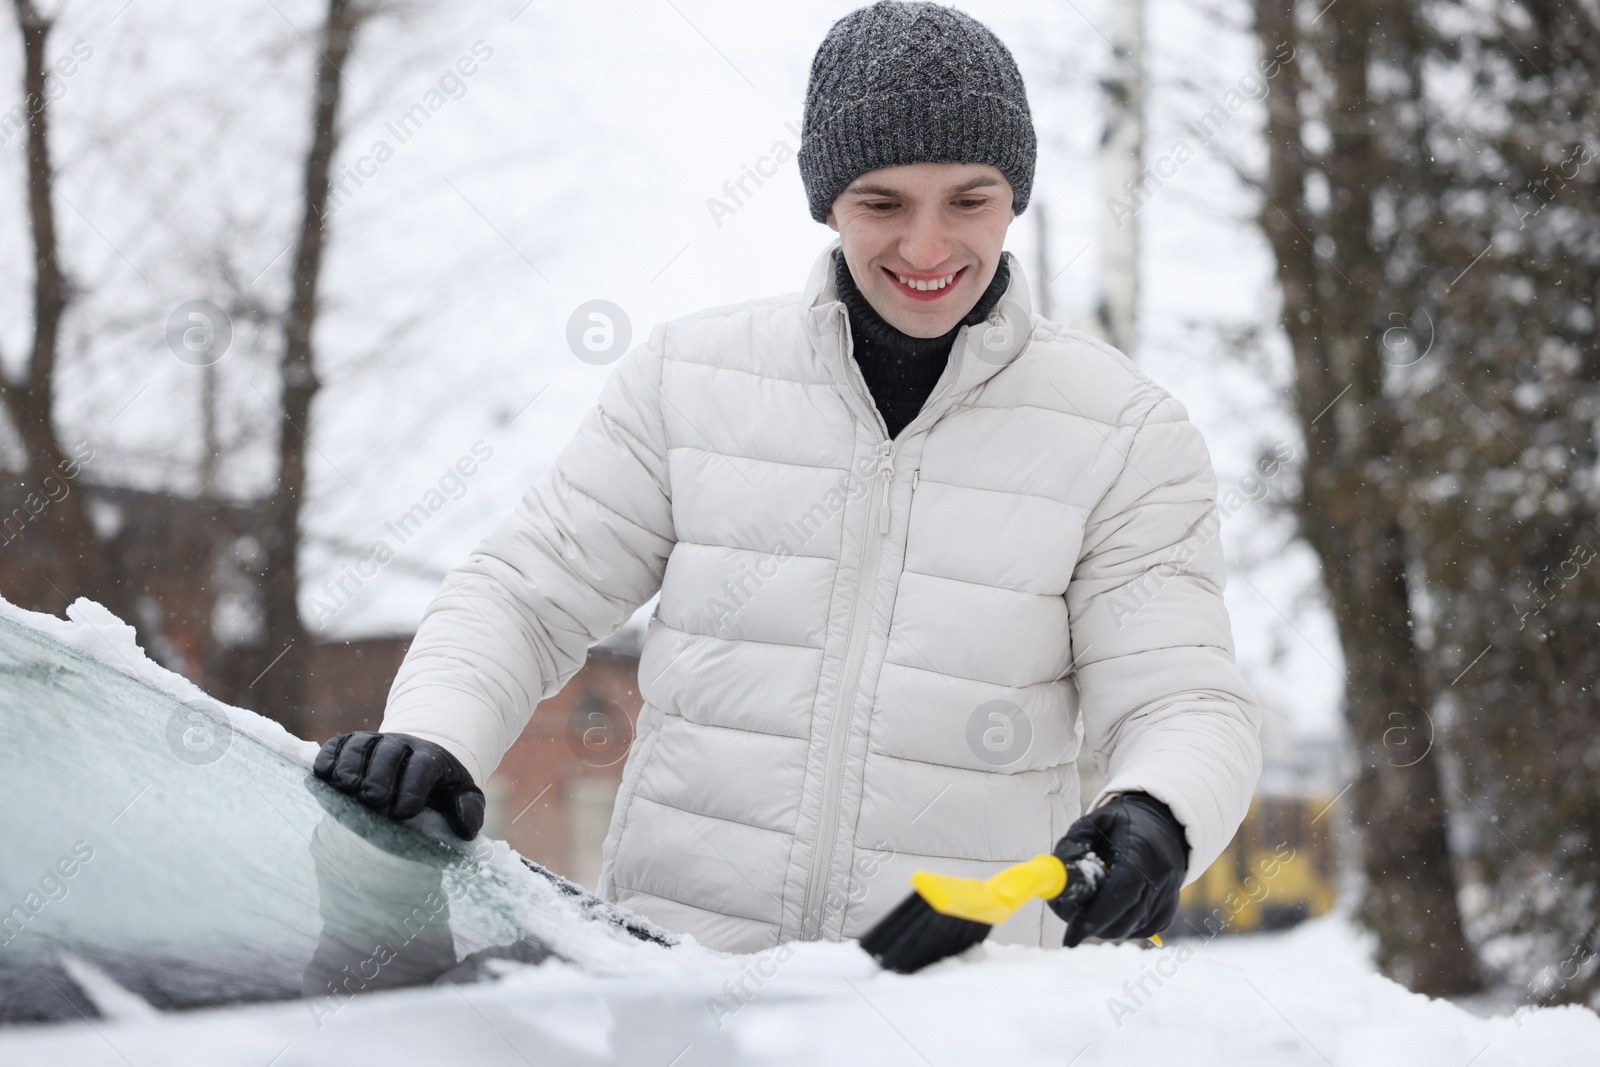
x=925 y=286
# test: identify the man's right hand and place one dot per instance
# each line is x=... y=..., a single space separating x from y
x=399 y=775
x=1146 y=852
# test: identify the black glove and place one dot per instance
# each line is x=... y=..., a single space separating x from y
x=1146 y=854
x=399 y=775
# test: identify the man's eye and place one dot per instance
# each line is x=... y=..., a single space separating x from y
x=978 y=202
x=882 y=206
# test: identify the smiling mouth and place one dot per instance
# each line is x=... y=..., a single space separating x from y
x=925 y=288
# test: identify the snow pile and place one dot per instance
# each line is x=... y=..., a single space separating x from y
x=90 y=628
x=1307 y=997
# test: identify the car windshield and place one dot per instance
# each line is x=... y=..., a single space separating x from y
x=181 y=850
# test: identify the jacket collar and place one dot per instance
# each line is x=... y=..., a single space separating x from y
x=979 y=352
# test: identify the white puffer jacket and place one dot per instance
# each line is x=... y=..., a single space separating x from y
x=869 y=655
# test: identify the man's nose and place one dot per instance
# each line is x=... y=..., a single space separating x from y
x=925 y=242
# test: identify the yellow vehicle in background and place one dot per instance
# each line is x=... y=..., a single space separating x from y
x=1279 y=870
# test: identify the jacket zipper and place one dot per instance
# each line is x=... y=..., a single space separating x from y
x=839 y=730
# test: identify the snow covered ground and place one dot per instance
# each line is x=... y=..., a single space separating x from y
x=1308 y=996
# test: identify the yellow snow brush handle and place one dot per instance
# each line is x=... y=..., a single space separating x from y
x=997 y=899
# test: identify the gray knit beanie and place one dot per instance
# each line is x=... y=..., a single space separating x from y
x=899 y=83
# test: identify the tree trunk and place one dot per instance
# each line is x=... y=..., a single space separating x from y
x=1119 y=160
x=86 y=565
x=281 y=683
x=1335 y=308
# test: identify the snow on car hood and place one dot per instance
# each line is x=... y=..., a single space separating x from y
x=208 y=867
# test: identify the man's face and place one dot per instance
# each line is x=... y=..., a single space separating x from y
x=924 y=224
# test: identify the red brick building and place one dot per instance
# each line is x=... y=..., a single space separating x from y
x=551 y=796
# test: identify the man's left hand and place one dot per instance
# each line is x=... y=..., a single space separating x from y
x=1146 y=855
x=399 y=775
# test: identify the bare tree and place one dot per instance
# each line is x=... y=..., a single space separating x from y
x=84 y=564
x=1119 y=160
x=1331 y=258
x=282 y=689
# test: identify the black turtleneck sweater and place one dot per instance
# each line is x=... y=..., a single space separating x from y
x=902 y=370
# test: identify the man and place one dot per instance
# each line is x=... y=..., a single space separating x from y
x=915 y=547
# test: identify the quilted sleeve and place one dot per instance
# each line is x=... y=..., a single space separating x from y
x=1165 y=708
x=583 y=549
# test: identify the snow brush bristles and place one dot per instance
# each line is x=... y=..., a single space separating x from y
x=947 y=915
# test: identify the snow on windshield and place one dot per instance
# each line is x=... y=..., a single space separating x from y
x=182 y=848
